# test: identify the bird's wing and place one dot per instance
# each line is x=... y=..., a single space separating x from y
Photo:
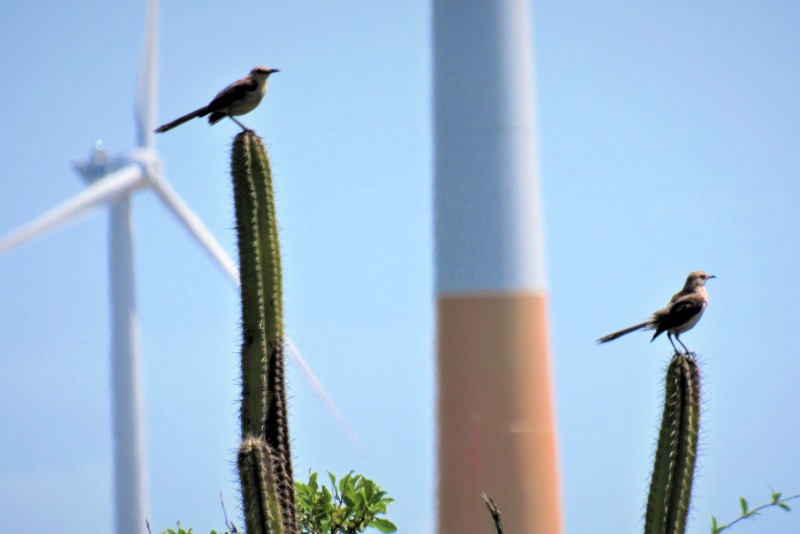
x=233 y=93
x=680 y=311
x=676 y=296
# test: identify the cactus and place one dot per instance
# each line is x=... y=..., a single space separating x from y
x=256 y=465
x=673 y=469
x=263 y=410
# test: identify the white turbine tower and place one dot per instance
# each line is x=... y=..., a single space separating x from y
x=112 y=182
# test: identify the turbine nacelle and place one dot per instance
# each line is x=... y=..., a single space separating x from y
x=100 y=164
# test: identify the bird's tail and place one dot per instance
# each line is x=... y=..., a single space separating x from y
x=615 y=335
x=180 y=120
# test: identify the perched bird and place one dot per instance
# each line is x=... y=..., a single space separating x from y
x=240 y=97
x=680 y=315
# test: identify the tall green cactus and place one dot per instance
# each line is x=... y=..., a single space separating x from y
x=673 y=469
x=263 y=410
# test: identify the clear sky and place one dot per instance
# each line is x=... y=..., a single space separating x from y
x=669 y=142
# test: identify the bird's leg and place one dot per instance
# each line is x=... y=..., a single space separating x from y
x=669 y=336
x=242 y=126
x=678 y=337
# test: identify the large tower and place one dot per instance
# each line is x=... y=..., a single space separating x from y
x=496 y=424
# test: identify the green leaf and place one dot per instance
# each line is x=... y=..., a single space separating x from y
x=384 y=525
x=784 y=506
x=368 y=490
x=743 y=503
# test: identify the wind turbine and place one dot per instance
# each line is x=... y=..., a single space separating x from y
x=112 y=181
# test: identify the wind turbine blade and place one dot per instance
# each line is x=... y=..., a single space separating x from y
x=326 y=399
x=200 y=232
x=195 y=226
x=146 y=88
x=114 y=185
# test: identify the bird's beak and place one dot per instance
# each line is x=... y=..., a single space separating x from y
x=710 y=276
x=274 y=70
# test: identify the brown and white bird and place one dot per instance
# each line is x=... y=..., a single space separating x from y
x=680 y=315
x=240 y=97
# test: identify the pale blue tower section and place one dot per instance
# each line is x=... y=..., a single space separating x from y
x=488 y=211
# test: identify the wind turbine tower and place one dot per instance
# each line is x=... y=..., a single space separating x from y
x=112 y=181
x=496 y=425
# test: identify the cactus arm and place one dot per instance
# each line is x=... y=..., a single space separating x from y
x=254 y=341
x=262 y=512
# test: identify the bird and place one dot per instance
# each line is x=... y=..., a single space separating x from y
x=681 y=314
x=240 y=97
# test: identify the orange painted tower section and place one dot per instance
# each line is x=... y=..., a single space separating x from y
x=495 y=412
x=496 y=426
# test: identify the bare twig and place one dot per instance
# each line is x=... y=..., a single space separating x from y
x=230 y=526
x=494 y=511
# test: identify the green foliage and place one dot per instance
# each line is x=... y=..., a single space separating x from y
x=776 y=500
x=180 y=530
x=349 y=507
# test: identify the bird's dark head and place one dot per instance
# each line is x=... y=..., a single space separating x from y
x=698 y=279
x=262 y=72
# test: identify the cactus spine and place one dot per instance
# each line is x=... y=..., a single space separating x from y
x=673 y=469
x=264 y=425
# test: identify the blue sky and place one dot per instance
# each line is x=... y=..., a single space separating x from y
x=668 y=141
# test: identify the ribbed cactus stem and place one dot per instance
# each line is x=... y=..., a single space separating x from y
x=277 y=435
x=254 y=339
x=263 y=413
x=256 y=464
x=276 y=423
x=676 y=452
